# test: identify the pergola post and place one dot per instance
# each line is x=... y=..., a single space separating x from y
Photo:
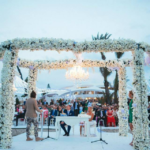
x=32 y=78
x=140 y=103
x=123 y=108
x=7 y=100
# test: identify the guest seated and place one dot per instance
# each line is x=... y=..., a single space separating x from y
x=101 y=115
x=44 y=102
x=45 y=115
x=90 y=113
x=53 y=115
x=21 y=114
x=68 y=112
x=60 y=110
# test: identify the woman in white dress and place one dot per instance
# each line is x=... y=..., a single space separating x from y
x=82 y=124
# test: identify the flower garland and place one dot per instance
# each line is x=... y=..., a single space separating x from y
x=147 y=59
x=123 y=108
x=65 y=64
x=7 y=100
x=32 y=80
x=120 y=45
x=140 y=101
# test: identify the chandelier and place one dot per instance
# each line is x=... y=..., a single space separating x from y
x=77 y=74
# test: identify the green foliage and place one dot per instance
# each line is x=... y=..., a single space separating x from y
x=20 y=72
x=24 y=95
x=17 y=101
x=26 y=80
x=48 y=86
x=105 y=73
x=119 y=54
x=102 y=37
x=101 y=100
x=109 y=96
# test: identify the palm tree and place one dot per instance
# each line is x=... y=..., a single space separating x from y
x=48 y=86
x=105 y=73
x=102 y=37
x=20 y=72
x=110 y=95
x=116 y=83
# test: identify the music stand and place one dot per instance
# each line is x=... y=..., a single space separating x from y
x=100 y=135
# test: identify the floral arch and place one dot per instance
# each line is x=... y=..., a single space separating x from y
x=9 y=53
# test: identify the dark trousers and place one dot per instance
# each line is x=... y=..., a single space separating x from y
x=19 y=116
x=50 y=120
x=104 y=119
x=63 y=127
x=76 y=112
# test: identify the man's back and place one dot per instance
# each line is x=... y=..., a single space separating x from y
x=31 y=107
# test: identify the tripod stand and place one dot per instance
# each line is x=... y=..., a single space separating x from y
x=100 y=136
x=48 y=137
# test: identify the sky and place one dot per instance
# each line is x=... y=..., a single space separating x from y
x=77 y=20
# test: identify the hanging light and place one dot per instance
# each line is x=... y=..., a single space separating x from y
x=77 y=73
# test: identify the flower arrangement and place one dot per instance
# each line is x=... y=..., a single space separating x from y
x=120 y=45
x=32 y=80
x=140 y=113
x=123 y=108
x=7 y=100
x=65 y=64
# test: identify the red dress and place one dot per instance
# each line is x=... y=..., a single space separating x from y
x=110 y=119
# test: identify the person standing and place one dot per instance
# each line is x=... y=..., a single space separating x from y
x=85 y=106
x=101 y=115
x=131 y=114
x=31 y=116
x=80 y=109
x=110 y=117
x=76 y=108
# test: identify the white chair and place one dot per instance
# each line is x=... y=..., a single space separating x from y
x=23 y=122
x=102 y=122
x=52 y=122
x=92 y=125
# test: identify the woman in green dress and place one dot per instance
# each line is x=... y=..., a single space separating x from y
x=131 y=114
x=85 y=107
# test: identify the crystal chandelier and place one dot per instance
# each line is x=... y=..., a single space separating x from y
x=77 y=74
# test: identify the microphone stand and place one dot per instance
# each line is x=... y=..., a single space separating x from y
x=48 y=137
x=100 y=136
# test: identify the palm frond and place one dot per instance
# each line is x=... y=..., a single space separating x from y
x=119 y=54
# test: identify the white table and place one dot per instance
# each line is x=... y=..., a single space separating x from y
x=72 y=120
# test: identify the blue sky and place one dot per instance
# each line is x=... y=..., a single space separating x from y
x=77 y=20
